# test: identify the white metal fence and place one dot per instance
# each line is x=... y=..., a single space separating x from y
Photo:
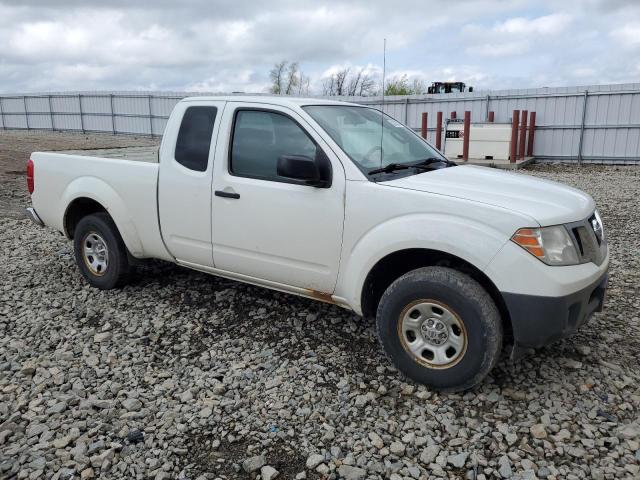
x=599 y=123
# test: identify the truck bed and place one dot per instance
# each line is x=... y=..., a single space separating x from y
x=136 y=154
x=122 y=180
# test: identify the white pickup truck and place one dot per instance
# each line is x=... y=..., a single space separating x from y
x=340 y=203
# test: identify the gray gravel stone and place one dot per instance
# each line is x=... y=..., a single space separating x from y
x=252 y=464
x=268 y=473
x=429 y=454
x=538 y=431
x=376 y=440
x=351 y=473
x=397 y=448
x=314 y=460
x=215 y=372
x=132 y=404
x=505 y=470
x=458 y=460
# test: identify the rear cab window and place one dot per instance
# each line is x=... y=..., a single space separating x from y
x=194 y=137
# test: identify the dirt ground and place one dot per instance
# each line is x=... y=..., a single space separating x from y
x=17 y=145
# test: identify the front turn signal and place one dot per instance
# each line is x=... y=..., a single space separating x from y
x=531 y=240
x=551 y=245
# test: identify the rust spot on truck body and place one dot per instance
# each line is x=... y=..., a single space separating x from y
x=322 y=296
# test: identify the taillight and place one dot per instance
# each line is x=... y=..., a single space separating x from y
x=30 y=176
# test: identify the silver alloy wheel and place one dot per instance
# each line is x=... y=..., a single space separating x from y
x=95 y=253
x=432 y=334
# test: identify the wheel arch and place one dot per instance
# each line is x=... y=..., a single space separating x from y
x=394 y=265
x=77 y=210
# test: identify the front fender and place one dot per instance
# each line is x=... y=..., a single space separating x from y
x=470 y=240
x=101 y=192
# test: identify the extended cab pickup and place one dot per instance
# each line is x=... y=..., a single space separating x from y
x=340 y=203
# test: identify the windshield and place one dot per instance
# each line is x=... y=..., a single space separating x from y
x=372 y=139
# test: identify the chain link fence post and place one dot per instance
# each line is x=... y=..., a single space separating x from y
x=4 y=124
x=113 y=117
x=26 y=113
x=80 y=112
x=53 y=127
x=584 y=116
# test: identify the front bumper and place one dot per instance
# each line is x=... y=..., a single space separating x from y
x=538 y=320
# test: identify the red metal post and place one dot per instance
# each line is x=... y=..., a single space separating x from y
x=491 y=116
x=453 y=116
x=523 y=134
x=423 y=129
x=532 y=129
x=439 y=130
x=513 y=146
x=465 y=140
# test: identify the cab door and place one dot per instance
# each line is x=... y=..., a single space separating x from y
x=184 y=183
x=265 y=226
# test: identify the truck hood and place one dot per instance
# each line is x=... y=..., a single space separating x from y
x=547 y=202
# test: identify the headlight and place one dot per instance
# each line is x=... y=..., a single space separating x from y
x=552 y=245
x=598 y=226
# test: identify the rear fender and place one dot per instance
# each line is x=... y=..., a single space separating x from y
x=101 y=192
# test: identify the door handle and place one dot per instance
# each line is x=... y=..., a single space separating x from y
x=221 y=193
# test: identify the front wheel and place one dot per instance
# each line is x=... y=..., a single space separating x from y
x=440 y=327
x=100 y=252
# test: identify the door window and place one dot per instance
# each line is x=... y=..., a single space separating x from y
x=194 y=137
x=260 y=138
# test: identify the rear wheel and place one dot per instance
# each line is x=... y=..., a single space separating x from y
x=440 y=328
x=100 y=252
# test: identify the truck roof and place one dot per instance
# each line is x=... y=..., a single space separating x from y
x=272 y=99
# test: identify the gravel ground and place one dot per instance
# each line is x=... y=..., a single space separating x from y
x=183 y=375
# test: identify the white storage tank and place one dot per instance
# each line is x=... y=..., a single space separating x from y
x=487 y=141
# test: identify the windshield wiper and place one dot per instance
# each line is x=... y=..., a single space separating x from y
x=422 y=164
x=392 y=167
x=430 y=160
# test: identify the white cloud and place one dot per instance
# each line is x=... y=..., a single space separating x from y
x=225 y=46
x=545 y=25
x=628 y=35
x=503 y=49
x=514 y=36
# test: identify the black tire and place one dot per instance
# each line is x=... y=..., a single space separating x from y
x=470 y=305
x=117 y=270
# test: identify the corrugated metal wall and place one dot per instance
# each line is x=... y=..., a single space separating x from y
x=598 y=123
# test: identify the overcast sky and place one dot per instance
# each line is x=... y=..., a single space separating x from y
x=200 y=45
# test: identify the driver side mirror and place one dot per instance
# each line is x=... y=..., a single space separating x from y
x=305 y=170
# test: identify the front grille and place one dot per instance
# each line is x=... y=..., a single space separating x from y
x=591 y=247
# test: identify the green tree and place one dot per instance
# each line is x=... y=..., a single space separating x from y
x=398 y=86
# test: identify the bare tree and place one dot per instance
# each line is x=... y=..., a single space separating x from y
x=336 y=83
x=292 y=78
x=367 y=85
x=354 y=83
x=346 y=82
x=341 y=81
x=418 y=86
x=303 y=84
x=328 y=86
x=277 y=75
x=360 y=84
x=287 y=79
